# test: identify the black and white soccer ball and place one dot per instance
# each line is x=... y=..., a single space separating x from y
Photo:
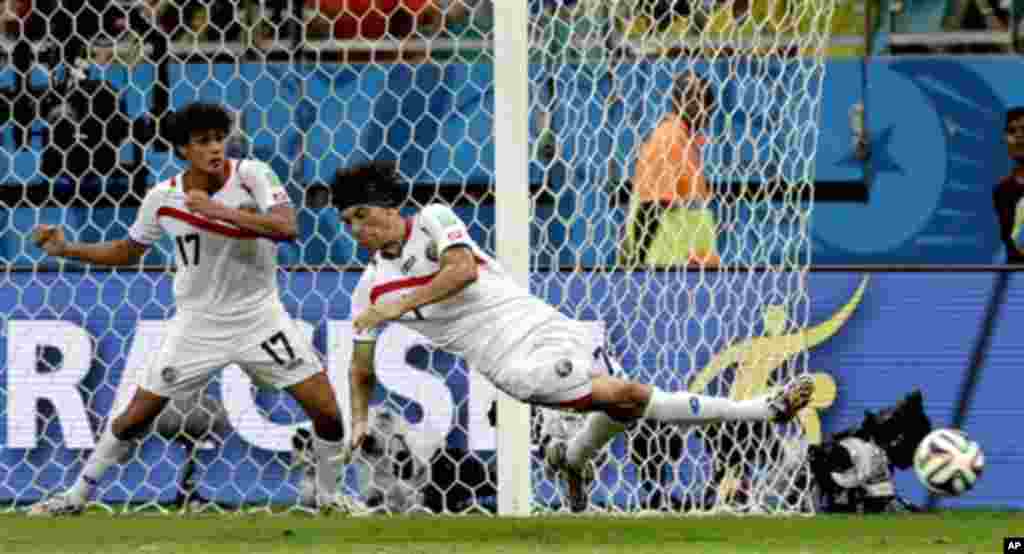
x=948 y=462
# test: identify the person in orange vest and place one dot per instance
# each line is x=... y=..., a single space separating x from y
x=670 y=223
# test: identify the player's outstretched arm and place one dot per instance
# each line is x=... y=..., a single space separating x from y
x=362 y=380
x=458 y=271
x=113 y=253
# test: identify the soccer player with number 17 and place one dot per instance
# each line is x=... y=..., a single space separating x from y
x=225 y=217
x=428 y=274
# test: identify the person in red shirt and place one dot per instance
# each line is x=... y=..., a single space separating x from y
x=1009 y=192
x=371 y=19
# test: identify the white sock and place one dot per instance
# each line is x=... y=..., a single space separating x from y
x=597 y=430
x=329 y=459
x=109 y=451
x=686 y=408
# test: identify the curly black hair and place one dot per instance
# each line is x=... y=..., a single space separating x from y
x=197 y=117
x=374 y=183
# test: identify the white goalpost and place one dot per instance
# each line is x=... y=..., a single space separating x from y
x=512 y=230
x=530 y=118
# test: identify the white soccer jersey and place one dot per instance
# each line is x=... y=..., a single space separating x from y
x=222 y=270
x=484 y=323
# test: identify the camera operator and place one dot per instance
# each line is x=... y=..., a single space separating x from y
x=854 y=468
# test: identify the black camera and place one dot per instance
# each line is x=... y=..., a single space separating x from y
x=853 y=469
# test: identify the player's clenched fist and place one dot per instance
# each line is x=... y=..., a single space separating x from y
x=50 y=238
x=199 y=202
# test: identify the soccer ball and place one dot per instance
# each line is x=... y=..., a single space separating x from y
x=948 y=462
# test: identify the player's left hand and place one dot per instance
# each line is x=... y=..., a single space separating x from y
x=199 y=201
x=377 y=314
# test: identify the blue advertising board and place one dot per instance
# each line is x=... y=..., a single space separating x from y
x=68 y=339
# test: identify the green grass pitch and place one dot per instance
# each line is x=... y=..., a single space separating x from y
x=945 y=533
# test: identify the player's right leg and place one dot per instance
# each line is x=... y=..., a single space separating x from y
x=569 y=379
x=618 y=401
x=285 y=359
x=114 y=446
x=626 y=401
x=317 y=398
x=184 y=365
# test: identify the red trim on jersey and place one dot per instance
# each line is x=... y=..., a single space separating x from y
x=174 y=181
x=392 y=286
x=408 y=229
x=407 y=283
x=580 y=403
x=212 y=226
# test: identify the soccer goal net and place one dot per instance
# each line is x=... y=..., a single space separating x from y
x=673 y=153
x=668 y=159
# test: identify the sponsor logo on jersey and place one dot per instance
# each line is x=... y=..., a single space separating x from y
x=407 y=264
x=455 y=235
x=169 y=374
x=563 y=368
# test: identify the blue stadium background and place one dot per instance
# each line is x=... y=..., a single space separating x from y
x=935 y=126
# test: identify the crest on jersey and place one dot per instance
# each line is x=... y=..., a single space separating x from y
x=407 y=265
x=447 y=219
x=563 y=368
x=275 y=181
x=431 y=252
x=169 y=374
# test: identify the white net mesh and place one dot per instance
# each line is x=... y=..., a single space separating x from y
x=674 y=143
x=315 y=86
x=321 y=85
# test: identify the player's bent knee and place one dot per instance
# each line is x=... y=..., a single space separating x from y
x=328 y=428
x=130 y=425
x=138 y=416
x=326 y=419
x=618 y=392
x=636 y=394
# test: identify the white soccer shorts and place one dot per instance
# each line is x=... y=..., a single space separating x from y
x=555 y=367
x=266 y=344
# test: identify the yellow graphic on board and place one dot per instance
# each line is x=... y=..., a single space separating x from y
x=755 y=360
